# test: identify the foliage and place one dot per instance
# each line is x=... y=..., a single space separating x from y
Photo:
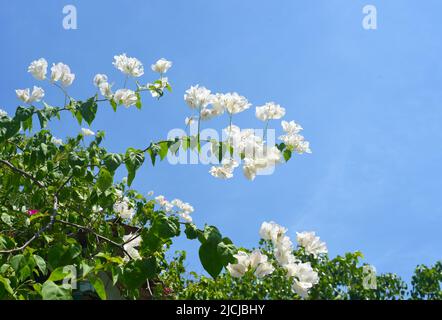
x=65 y=222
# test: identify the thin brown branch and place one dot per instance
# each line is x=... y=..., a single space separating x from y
x=90 y=231
x=23 y=173
x=39 y=232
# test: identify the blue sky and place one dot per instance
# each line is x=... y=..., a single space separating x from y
x=369 y=101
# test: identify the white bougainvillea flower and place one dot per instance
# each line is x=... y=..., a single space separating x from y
x=236 y=270
x=255 y=261
x=250 y=169
x=304 y=277
x=256 y=258
x=197 y=97
x=184 y=206
x=128 y=65
x=3 y=113
x=184 y=209
x=176 y=206
x=27 y=97
x=225 y=171
x=297 y=142
x=37 y=94
x=38 y=69
x=208 y=113
x=244 y=141
x=269 y=111
x=186 y=217
x=284 y=256
x=161 y=200
x=283 y=247
x=311 y=243
x=219 y=102
x=131 y=242
x=290 y=127
x=61 y=72
x=106 y=90
x=264 y=269
x=166 y=205
x=123 y=208
x=23 y=94
x=126 y=97
x=99 y=79
x=57 y=142
x=231 y=102
x=87 y=132
x=157 y=87
x=272 y=231
x=252 y=166
x=293 y=138
x=161 y=66
x=301 y=288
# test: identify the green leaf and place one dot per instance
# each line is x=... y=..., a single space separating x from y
x=27 y=124
x=62 y=254
x=23 y=113
x=134 y=160
x=7 y=219
x=9 y=128
x=138 y=272
x=17 y=262
x=166 y=227
x=85 y=269
x=42 y=118
x=138 y=103
x=153 y=155
x=7 y=285
x=164 y=148
x=60 y=273
x=44 y=149
x=98 y=285
x=151 y=242
x=281 y=146
x=211 y=233
x=287 y=154
x=88 y=110
x=51 y=291
x=191 y=231
x=226 y=252
x=113 y=104
x=41 y=264
x=210 y=258
x=112 y=161
x=105 y=179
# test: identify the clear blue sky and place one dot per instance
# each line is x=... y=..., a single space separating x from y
x=370 y=103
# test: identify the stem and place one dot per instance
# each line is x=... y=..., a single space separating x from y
x=125 y=81
x=66 y=95
x=199 y=124
x=90 y=231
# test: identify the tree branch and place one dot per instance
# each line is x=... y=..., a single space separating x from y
x=39 y=232
x=23 y=173
x=90 y=231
